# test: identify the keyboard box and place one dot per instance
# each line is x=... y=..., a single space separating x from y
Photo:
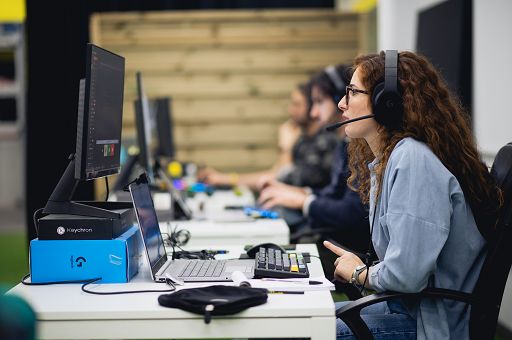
x=115 y=260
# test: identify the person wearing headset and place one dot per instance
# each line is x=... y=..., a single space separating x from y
x=335 y=210
x=432 y=200
x=299 y=138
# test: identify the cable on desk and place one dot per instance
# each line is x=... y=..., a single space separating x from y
x=169 y=282
x=23 y=280
x=194 y=255
x=177 y=238
x=34 y=217
x=87 y=282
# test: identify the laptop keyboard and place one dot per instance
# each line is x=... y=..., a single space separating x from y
x=203 y=268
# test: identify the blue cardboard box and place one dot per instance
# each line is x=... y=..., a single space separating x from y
x=115 y=261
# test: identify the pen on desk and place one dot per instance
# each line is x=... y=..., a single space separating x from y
x=311 y=282
x=283 y=292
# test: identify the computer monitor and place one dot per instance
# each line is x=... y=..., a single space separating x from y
x=161 y=109
x=100 y=109
x=444 y=37
x=154 y=137
x=143 y=122
x=98 y=143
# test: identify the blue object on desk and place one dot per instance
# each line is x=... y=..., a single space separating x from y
x=202 y=187
x=115 y=261
x=261 y=213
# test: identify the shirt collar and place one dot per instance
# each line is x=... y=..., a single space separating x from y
x=373 y=164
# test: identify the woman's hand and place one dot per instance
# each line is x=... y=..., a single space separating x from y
x=345 y=264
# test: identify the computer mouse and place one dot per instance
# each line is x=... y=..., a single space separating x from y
x=251 y=252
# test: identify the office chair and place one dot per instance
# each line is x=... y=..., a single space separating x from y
x=485 y=300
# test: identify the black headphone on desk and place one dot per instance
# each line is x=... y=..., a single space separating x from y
x=337 y=81
x=387 y=103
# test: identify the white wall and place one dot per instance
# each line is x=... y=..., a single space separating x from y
x=492 y=65
x=397 y=21
x=492 y=74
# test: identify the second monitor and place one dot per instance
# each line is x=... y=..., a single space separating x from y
x=155 y=141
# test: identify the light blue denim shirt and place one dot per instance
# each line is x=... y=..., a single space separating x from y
x=425 y=236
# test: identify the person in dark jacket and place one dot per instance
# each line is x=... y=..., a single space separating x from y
x=334 y=211
x=306 y=151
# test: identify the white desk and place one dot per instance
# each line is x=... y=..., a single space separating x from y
x=232 y=233
x=218 y=200
x=65 y=312
x=212 y=225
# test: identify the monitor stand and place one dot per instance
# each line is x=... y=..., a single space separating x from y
x=127 y=170
x=60 y=201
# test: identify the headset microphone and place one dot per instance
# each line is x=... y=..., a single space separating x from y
x=333 y=127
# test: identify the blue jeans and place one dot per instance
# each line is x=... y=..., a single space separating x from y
x=385 y=322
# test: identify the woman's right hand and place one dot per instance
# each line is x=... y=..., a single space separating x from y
x=345 y=264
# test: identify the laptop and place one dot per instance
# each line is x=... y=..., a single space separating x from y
x=183 y=209
x=187 y=270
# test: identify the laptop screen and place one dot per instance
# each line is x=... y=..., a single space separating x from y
x=148 y=223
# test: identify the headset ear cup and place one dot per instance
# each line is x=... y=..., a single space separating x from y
x=387 y=107
x=377 y=103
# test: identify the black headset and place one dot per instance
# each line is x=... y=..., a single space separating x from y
x=387 y=103
x=337 y=81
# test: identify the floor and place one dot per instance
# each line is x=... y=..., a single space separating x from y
x=13 y=247
x=12 y=220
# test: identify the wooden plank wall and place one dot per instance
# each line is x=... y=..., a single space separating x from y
x=229 y=72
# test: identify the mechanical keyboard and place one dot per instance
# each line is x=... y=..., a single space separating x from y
x=276 y=264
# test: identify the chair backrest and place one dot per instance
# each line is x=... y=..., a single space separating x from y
x=493 y=276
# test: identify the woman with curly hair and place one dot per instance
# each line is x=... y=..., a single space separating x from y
x=432 y=200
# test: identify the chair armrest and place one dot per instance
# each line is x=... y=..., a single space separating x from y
x=351 y=312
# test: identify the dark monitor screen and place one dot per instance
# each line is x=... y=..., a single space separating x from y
x=98 y=146
x=144 y=128
x=444 y=37
x=163 y=127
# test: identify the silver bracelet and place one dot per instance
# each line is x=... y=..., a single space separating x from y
x=355 y=275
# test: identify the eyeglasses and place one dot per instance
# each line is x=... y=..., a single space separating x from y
x=349 y=89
